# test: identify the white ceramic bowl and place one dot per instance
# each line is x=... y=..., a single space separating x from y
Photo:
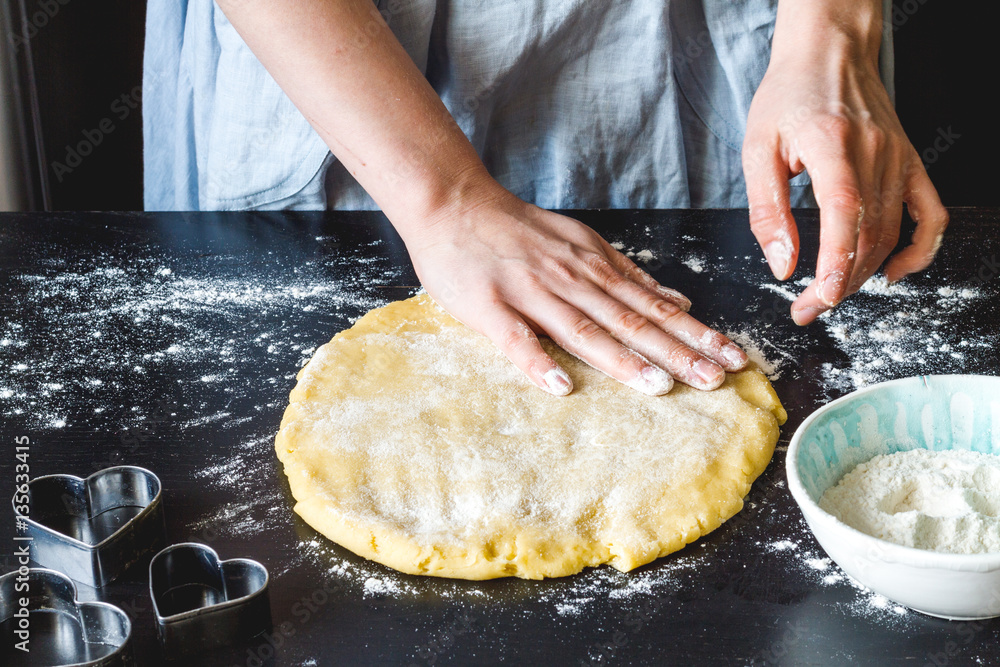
x=928 y=412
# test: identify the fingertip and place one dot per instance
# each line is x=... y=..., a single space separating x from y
x=735 y=357
x=711 y=375
x=932 y=253
x=557 y=382
x=832 y=289
x=893 y=272
x=652 y=381
x=912 y=260
x=520 y=344
x=675 y=297
x=772 y=223
x=806 y=315
x=779 y=254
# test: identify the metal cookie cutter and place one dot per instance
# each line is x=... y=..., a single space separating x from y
x=41 y=623
x=201 y=602
x=93 y=529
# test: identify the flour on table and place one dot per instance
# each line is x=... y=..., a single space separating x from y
x=695 y=262
x=799 y=555
x=770 y=358
x=781 y=290
x=115 y=322
x=215 y=345
x=644 y=256
x=568 y=597
x=573 y=606
x=376 y=586
x=892 y=330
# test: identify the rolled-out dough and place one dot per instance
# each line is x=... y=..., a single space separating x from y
x=411 y=440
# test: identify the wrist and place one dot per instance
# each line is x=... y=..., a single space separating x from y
x=444 y=199
x=830 y=29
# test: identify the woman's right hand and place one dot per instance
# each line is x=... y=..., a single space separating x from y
x=513 y=271
x=507 y=269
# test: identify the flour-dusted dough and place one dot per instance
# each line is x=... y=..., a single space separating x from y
x=412 y=441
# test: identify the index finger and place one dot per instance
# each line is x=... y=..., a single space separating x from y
x=770 y=212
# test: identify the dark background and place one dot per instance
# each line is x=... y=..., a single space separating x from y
x=88 y=53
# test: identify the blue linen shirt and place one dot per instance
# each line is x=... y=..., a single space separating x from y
x=570 y=103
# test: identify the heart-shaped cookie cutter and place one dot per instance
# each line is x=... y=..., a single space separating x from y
x=201 y=602
x=40 y=606
x=93 y=529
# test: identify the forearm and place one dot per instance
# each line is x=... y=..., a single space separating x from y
x=850 y=27
x=503 y=267
x=347 y=73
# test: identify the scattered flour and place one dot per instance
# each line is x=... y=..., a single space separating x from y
x=374 y=586
x=574 y=607
x=213 y=345
x=893 y=330
x=568 y=596
x=781 y=290
x=770 y=358
x=800 y=557
x=115 y=325
x=645 y=256
x=937 y=500
x=695 y=263
x=820 y=564
x=877 y=284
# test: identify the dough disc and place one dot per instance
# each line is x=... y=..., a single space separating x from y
x=412 y=441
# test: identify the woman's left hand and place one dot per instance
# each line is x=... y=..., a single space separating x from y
x=822 y=107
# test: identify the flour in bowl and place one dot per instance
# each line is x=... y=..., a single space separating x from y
x=945 y=501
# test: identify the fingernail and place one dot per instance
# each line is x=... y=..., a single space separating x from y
x=652 y=381
x=799 y=316
x=676 y=297
x=832 y=288
x=734 y=355
x=557 y=382
x=709 y=373
x=779 y=255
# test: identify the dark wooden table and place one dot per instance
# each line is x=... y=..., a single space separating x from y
x=171 y=341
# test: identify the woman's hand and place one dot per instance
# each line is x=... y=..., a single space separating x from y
x=821 y=107
x=507 y=269
x=513 y=271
